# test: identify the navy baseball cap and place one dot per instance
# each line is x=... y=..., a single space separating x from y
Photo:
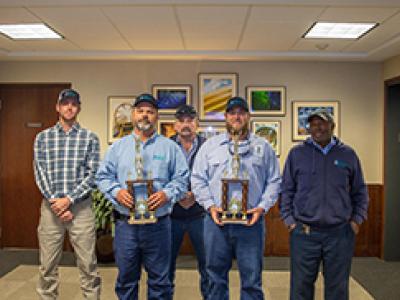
x=145 y=98
x=69 y=94
x=322 y=114
x=185 y=111
x=237 y=101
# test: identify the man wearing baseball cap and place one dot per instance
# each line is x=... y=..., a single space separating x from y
x=223 y=243
x=147 y=245
x=187 y=215
x=66 y=157
x=324 y=201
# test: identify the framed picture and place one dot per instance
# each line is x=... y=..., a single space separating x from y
x=170 y=97
x=271 y=131
x=166 y=127
x=266 y=100
x=301 y=111
x=210 y=129
x=119 y=117
x=214 y=91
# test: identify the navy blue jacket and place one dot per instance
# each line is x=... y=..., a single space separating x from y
x=323 y=190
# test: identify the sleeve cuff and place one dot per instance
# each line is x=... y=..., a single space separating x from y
x=169 y=195
x=358 y=219
x=207 y=204
x=72 y=200
x=114 y=192
x=289 y=221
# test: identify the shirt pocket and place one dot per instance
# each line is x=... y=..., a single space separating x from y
x=160 y=171
x=218 y=165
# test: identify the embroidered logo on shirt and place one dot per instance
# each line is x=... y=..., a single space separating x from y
x=158 y=157
x=340 y=163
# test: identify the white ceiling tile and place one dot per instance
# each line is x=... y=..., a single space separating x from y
x=357 y=14
x=147 y=27
x=16 y=15
x=212 y=27
x=277 y=28
x=328 y=45
x=86 y=27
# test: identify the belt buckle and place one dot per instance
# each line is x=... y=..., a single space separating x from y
x=306 y=229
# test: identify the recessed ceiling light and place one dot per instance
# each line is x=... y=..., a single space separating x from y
x=29 y=31
x=327 y=30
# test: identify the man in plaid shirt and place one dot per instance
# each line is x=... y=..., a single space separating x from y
x=66 y=158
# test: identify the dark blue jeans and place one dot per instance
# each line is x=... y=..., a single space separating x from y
x=244 y=243
x=149 y=245
x=195 y=229
x=334 y=248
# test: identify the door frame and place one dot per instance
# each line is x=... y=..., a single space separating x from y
x=24 y=84
x=387 y=84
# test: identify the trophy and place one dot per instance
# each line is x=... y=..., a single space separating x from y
x=140 y=189
x=234 y=210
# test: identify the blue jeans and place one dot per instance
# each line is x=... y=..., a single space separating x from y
x=334 y=248
x=149 y=245
x=244 y=243
x=195 y=229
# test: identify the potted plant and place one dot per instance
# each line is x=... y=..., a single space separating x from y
x=104 y=223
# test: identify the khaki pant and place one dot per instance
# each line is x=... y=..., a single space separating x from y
x=81 y=229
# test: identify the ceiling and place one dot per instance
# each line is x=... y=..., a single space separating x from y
x=209 y=30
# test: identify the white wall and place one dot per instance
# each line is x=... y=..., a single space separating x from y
x=391 y=68
x=358 y=87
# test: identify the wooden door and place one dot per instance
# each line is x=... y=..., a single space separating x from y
x=26 y=109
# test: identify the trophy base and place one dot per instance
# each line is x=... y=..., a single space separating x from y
x=234 y=221
x=134 y=221
x=229 y=218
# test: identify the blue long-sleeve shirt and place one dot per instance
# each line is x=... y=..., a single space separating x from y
x=164 y=162
x=213 y=161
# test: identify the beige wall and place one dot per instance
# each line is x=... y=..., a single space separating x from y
x=391 y=68
x=358 y=87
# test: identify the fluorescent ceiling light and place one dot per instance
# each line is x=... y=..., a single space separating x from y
x=326 y=30
x=29 y=31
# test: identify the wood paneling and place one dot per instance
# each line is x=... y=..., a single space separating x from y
x=368 y=242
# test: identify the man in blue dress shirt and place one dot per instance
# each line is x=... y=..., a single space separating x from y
x=243 y=242
x=148 y=244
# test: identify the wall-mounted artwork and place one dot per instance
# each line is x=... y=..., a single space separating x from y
x=301 y=111
x=266 y=100
x=271 y=131
x=166 y=128
x=210 y=129
x=119 y=117
x=214 y=92
x=170 y=97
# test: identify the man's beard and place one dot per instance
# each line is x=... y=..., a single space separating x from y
x=243 y=130
x=186 y=132
x=144 y=125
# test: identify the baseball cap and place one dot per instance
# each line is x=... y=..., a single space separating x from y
x=145 y=98
x=237 y=101
x=185 y=110
x=322 y=114
x=69 y=94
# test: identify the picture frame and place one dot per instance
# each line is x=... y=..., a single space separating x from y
x=165 y=127
x=266 y=100
x=270 y=130
x=210 y=129
x=215 y=89
x=170 y=96
x=119 y=122
x=302 y=109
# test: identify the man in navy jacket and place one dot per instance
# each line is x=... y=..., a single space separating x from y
x=324 y=201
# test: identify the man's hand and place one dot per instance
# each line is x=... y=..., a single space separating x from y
x=256 y=212
x=60 y=205
x=188 y=201
x=291 y=227
x=124 y=198
x=66 y=216
x=355 y=227
x=214 y=214
x=157 y=200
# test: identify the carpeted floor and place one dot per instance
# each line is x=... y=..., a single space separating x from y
x=20 y=284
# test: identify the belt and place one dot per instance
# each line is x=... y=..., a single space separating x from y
x=308 y=228
x=118 y=216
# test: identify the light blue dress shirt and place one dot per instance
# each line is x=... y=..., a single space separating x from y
x=164 y=162
x=325 y=150
x=214 y=160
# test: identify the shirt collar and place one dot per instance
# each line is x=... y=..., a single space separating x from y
x=226 y=140
x=149 y=140
x=327 y=147
x=75 y=127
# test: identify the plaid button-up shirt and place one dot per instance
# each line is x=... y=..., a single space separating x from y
x=65 y=163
